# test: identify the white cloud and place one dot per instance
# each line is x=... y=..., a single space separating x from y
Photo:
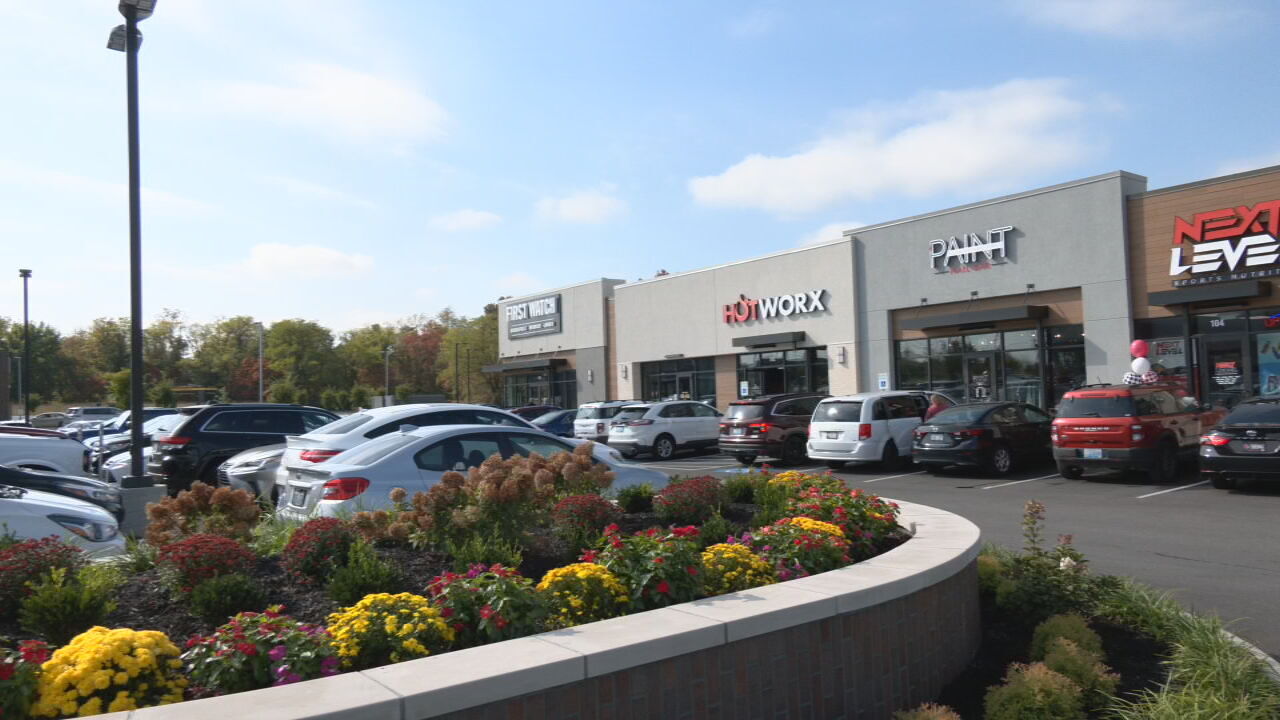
x=114 y=194
x=466 y=219
x=340 y=102
x=585 y=206
x=756 y=23
x=942 y=141
x=1237 y=165
x=830 y=231
x=1149 y=18
x=279 y=259
x=308 y=189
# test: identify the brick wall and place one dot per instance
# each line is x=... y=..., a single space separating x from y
x=862 y=665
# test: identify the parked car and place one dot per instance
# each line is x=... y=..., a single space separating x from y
x=32 y=514
x=363 y=477
x=557 y=422
x=866 y=428
x=531 y=412
x=50 y=420
x=1244 y=446
x=29 y=431
x=101 y=414
x=81 y=429
x=213 y=433
x=120 y=466
x=48 y=454
x=91 y=490
x=776 y=426
x=105 y=446
x=253 y=471
x=991 y=436
x=1128 y=427
x=592 y=422
x=662 y=428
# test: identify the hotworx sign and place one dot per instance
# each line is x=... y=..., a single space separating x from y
x=748 y=309
x=1235 y=243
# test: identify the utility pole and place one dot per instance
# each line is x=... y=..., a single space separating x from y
x=260 y=395
x=456 y=386
x=386 y=373
x=25 y=380
x=468 y=373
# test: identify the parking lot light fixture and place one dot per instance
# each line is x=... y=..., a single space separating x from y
x=25 y=380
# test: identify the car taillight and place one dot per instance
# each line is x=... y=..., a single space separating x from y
x=599 y=428
x=760 y=428
x=344 y=488
x=163 y=441
x=1214 y=439
x=864 y=431
x=317 y=456
x=642 y=421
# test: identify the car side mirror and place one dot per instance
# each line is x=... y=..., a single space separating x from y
x=460 y=466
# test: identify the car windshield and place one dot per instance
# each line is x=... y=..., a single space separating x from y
x=374 y=450
x=164 y=423
x=630 y=413
x=744 y=412
x=342 y=425
x=1259 y=412
x=597 y=413
x=962 y=415
x=548 y=418
x=838 y=411
x=1096 y=407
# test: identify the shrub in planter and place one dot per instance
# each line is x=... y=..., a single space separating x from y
x=501 y=498
x=729 y=568
x=218 y=598
x=26 y=562
x=990 y=573
x=741 y=487
x=1034 y=691
x=579 y=519
x=481 y=548
x=195 y=559
x=576 y=473
x=316 y=549
x=1071 y=626
x=636 y=498
x=866 y=519
x=104 y=670
x=928 y=711
x=19 y=673
x=59 y=608
x=797 y=547
x=690 y=502
x=258 y=650
x=385 y=628
x=487 y=604
x=1084 y=669
x=364 y=574
x=202 y=510
x=657 y=568
x=382 y=527
x=582 y=593
x=715 y=530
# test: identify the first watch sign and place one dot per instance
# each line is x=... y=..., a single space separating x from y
x=539 y=316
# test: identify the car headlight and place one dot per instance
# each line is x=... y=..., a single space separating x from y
x=108 y=495
x=90 y=530
x=251 y=466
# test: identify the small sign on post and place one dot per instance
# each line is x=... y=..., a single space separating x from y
x=882 y=381
x=744 y=388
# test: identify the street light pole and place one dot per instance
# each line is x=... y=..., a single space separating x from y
x=468 y=373
x=259 y=360
x=25 y=380
x=456 y=386
x=386 y=373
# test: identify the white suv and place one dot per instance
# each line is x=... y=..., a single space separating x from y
x=662 y=428
x=867 y=427
x=97 y=414
x=593 y=419
x=45 y=453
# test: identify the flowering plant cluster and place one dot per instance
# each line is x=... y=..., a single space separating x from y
x=19 y=672
x=199 y=511
x=578 y=519
x=257 y=650
x=582 y=593
x=316 y=550
x=689 y=501
x=796 y=551
x=192 y=560
x=103 y=670
x=24 y=563
x=729 y=568
x=866 y=519
x=383 y=628
x=487 y=604
x=658 y=568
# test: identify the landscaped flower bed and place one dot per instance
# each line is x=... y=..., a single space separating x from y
x=512 y=548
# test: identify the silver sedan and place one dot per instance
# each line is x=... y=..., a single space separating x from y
x=253 y=470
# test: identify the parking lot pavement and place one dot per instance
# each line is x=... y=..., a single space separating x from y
x=1218 y=551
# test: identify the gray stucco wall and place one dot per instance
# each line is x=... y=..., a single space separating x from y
x=1066 y=236
x=583 y=317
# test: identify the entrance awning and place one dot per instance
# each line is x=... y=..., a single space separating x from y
x=975 y=317
x=753 y=341
x=1213 y=291
x=543 y=364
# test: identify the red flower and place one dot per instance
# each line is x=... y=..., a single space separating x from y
x=611 y=529
x=664 y=587
x=247 y=649
x=658 y=561
x=500 y=621
x=486 y=612
x=459 y=627
x=684 y=532
x=34 y=651
x=446 y=612
x=692 y=570
x=590 y=556
x=193 y=641
x=6 y=671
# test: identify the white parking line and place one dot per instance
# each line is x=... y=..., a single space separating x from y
x=1019 y=482
x=890 y=477
x=1184 y=487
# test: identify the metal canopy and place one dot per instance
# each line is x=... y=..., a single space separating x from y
x=1211 y=292
x=767 y=340
x=975 y=317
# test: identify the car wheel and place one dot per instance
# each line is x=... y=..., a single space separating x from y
x=745 y=460
x=1166 y=465
x=628 y=454
x=1001 y=461
x=835 y=464
x=793 y=453
x=1222 y=482
x=889 y=459
x=664 y=447
x=1071 y=472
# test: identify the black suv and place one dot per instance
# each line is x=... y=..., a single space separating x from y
x=212 y=433
x=772 y=425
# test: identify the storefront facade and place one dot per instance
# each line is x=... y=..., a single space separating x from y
x=553 y=347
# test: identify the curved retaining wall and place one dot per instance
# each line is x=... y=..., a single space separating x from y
x=858 y=642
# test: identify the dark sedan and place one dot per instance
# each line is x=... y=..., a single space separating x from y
x=990 y=436
x=557 y=422
x=1244 y=446
x=104 y=495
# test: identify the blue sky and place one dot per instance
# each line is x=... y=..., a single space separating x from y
x=356 y=162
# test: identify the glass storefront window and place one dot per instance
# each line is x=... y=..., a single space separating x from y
x=913 y=365
x=775 y=372
x=554 y=388
x=1268 y=355
x=1168 y=358
x=1065 y=335
x=1066 y=370
x=942 y=346
x=1022 y=377
x=1265 y=320
x=982 y=343
x=1148 y=328
x=946 y=373
x=1021 y=340
x=682 y=379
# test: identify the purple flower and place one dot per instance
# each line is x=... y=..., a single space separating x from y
x=475 y=570
x=285 y=677
x=277 y=653
x=329 y=666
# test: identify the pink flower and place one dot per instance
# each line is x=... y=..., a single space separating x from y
x=277 y=653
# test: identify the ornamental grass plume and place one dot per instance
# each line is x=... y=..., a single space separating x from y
x=104 y=670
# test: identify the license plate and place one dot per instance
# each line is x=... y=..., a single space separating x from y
x=1091 y=454
x=937 y=437
x=1253 y=447
x=299 y=497
x=831 y=434
x=737 y=431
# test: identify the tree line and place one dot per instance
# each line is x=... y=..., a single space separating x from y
x=302 y=361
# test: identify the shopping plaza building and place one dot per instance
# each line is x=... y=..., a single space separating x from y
x=1019 y=297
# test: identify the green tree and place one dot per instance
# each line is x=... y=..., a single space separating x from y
x=164 y=345
x=282 y=391
x=81 y=381
x=361 y=352
x=47 y=362
x=119 y=384
x=331 y=399
x=222 y=351
x=107 y=344
x=476 y=343
x=162 y=394
x=302 y=351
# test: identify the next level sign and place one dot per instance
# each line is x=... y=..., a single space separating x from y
x=539 y=316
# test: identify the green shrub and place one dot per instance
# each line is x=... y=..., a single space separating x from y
x=579 y=519
x=927 y=711
x=1034 y=691
x=59 y=609
x=27 y=562
x=741 y=487
x=330 y=399
x=271 y=535
x=484 y=549
x=636 y=498
x=316 y=549
x=771 y=502
x=689 y=502
x=1083 y=668
x=139 y=556
x=1070 y=626
x=219 y=598
x=715 y=530
x=990 y=573
x=364 y=574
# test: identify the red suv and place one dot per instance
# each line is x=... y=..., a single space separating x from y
x=1128 y=427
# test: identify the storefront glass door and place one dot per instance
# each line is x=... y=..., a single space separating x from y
x=684 y=386
x=979 y=376
x=1226 y=370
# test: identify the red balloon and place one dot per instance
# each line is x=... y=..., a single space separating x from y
x=1138 y=348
